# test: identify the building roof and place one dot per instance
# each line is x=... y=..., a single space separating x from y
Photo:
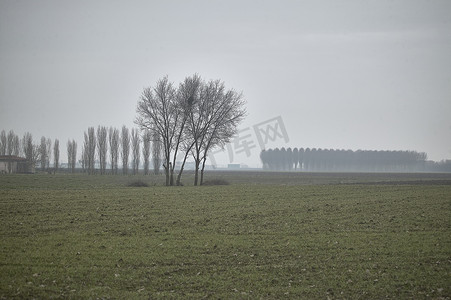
x=11 y=158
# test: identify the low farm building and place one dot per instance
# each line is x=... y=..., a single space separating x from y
x=14 y=164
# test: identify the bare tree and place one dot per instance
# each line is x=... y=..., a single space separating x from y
x=48 y=144
x=102 y=147
x=125 y=141
x=3 y=142
x=295 y=158
x=30 y=150
x=10 y=146
x=84 y=158
x=190 y=92
x=43 y=152
x=27 y=145
x=136 y=142
x=74 y=155
x=90 y=149
x=70 y=155
x=156 y=153
x=195 y=118
x=160 y=111
x=147 y=136
x=56 y=154
x=16 y=145
x=113 y=138
x=214 y=121
x=9 y=143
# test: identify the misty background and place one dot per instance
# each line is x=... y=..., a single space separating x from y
x=372 y=75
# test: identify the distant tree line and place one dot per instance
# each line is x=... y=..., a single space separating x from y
x=330 y=160
x=11 y=144
x=210 y=121
x=118 y=149
x=443 y=166
x=101 y=147
x=125 y=150
x=105 y=146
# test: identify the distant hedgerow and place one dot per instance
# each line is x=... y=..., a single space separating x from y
x=216 y=182
x=137 y=183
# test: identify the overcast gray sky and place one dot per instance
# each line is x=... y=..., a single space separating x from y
x=373 y=75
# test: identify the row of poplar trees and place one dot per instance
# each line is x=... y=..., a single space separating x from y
x=105 y=149
x=102 y=147
x=342 y=160
x=37 y=154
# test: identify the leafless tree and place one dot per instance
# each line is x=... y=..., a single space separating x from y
x=147 y=137
x=74 y=155
x=43 y=152
x=84 y=158
x=48 y=144
x=195 y=118
x=156 y=153
x=71 y=155
x=136 y=142
x=190 y=92
x=90 y=149
x=30 y=150
x=16 y=145
x=232 y=113
x=160 y=111
x=10 y=147
x=56 y=154
x=27 y=145
x=125 y=141
x=213 y=121
x=102 y=147
x=113 y=138
x=3 y=142
x=9 y=143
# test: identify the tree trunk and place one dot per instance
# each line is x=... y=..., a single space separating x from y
x=166 y=171
x=179 y=176
x=171 y=168
x=202 y=171
x=196 y=174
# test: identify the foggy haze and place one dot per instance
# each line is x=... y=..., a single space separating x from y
x=373 y=75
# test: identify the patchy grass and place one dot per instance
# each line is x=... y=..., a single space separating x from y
x=92 y=237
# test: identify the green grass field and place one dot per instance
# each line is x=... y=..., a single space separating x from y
x=266 y=235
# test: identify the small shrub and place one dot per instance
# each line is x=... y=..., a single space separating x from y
x=138 y=183
x=216 y=182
